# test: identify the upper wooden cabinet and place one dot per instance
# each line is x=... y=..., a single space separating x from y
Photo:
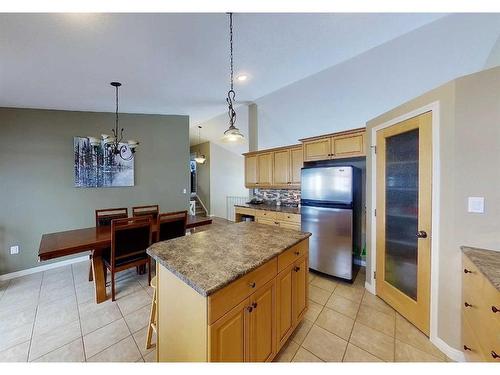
x=346 y=144
x=265 y=169
x=251 y=170
x=279 y=168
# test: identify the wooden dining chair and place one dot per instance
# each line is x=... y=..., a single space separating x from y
x=151 y=211
x=103 y=218
x=171 y=225
x=130 y=238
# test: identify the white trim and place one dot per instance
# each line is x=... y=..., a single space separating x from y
x=436 y=186
x=369 y=287
x=45 y=267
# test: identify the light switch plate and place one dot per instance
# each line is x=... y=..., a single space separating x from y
x=14 y=250
x=476 y=205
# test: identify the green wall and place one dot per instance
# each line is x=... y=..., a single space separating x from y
x=36 y=174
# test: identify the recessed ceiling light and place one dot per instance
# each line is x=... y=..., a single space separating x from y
x=242 y=77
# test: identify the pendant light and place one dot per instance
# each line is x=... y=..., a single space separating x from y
x=114 y=144
x=200 y=159
x=232 y=134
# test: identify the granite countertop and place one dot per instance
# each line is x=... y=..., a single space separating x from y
x=487 y=261
x=271 y=207
x=209 y=260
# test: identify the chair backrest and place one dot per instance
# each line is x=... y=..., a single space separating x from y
x=172 y=225
x=129 y=237
x=103 y=217
x=151 y=211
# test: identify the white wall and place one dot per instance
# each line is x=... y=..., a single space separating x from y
x=347 y=95
x=227 y=176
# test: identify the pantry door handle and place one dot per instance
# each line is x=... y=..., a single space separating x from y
x=494 y=309
x=421 y=234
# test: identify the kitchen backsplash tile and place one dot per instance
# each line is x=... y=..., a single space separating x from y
x=273 y=195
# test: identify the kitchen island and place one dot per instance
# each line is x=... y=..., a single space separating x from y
x=230 y=294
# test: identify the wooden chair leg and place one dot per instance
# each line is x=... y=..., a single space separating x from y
x=91 y=274
x=152 y=321
x=149 y=271
x=112 y=286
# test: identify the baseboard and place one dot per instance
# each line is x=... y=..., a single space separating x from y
x=452 y=353
x=371 y=288
x=45 y=267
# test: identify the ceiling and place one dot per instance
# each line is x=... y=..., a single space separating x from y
x=175 y=63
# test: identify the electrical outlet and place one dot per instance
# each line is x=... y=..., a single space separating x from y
x=184 y=191
x=476 y=205
x=14 y=250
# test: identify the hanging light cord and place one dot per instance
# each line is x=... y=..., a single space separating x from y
x=231 y=94
x=115 y=130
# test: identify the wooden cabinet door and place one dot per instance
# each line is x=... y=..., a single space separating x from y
x=228 y=336
x=348 y=145
x=319 y=149
x=262 y=324
x=284 y=300
x=300 y=285
x=265 y=169
x=251 y=163
x=281 y=167
x=296 y=164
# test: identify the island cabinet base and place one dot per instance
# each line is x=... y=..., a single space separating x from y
x=248 y=320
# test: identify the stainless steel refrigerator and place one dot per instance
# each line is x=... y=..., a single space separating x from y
x=331 y=211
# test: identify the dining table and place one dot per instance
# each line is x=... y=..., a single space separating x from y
x=96 y=240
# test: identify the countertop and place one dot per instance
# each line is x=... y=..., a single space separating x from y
x=207 y=261
x=271 y=207
x=487 y=261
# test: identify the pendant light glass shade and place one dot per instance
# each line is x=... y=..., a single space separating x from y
x=200 y=159
x=233 y=135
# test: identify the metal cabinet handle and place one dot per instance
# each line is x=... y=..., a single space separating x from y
x=466 y=304
x=296 y=269
x=249 y=309
x=252 y=284
x=467 y=348
x=494 y=309
x=421 y=234
x=494 y=355
x=467 y=271
x=276 y=222
x=254 y=305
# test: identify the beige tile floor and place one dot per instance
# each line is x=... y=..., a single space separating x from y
x=52 y=316
x=346 y=323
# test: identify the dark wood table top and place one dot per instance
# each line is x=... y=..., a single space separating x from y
x=55 y=245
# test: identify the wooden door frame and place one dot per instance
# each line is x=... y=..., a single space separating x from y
x=434 y=107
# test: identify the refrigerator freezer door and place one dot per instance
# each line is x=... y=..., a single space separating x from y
x=330 y=246
x=331 y=184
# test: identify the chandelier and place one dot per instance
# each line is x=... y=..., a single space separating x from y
x=232 y=134
x=113 y=144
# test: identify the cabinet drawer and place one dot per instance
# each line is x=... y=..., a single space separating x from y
x=267 y=221
x=266 y=214
x=472 y=279
x=292 y=254
x=491 y=298
x=294 y=218
x=245 y=211
x=289 y=225
x=470 y=345
x=225 y=299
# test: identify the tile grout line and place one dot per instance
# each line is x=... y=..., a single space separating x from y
x=79 y=316
x=355 y=319
x=36 y=314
